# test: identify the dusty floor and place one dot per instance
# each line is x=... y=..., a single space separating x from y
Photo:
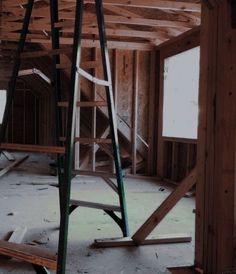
x=27 y=200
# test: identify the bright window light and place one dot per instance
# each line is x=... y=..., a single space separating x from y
x=3 y=95
x=181 y=88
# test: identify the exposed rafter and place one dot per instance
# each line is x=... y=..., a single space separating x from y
x=130 y=24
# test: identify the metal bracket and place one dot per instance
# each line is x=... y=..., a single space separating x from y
x=40 y=269
x=116 y=219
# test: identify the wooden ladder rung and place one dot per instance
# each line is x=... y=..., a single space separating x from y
x=32 y=148
x=35 y=54
x=30 y=254
x=95 y=205
x=85 y=104
x=89 y=140
x=93 y=140
x=84 y=65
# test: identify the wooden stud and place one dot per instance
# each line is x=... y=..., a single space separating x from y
x=135 y=112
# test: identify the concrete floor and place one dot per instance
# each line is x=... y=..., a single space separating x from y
x=24 y=203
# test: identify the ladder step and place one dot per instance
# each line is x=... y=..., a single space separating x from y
x=95 y=205
x=89 y=140
x=32 y=148
x=84 y=65
x=93 y=79
x=30 y=254
x=93 y=140
x=84 y=104
x=41 y=53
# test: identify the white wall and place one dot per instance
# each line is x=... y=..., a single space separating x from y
x=2 y=103
x=181 y=87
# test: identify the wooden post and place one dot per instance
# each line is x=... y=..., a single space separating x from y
x=160 y=141
x=135 y=112
x=215 y=213
x=94 y=119
x=153 y=112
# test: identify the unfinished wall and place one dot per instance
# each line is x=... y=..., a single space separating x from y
x=175 y=156
x=131 y=74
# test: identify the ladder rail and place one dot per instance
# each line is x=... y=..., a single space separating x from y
x=16 y=68
x=57 y=90
x=112 y=116
x=66 y=185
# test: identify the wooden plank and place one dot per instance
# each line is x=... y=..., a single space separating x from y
x=95 y=205
x=84 y=65
x=85 y=160
x=8 y=155
x=93 y=140
x=160 y=141
x=12 y=165
x=153 y=240
x=116 y=19
x=30 y=254
x=135 y=112
x=94 y=113
x=149 y=4
x=185 y=270
x=32 y=148
x=18 y=235
x=85 y=104
x=113 y=175
x=41 y=53
x=159 y=214
x=154 y=4
x=182 y=270
x=153 y=111
x=185 y=41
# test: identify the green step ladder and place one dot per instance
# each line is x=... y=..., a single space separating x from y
x=65 y=159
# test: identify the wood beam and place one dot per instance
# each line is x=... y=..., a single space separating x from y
x=154 y=4
x=149 y=4
x=159 y=214
x=161 y=239
x=216 y=197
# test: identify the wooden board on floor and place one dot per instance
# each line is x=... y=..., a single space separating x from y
x=181 y=270
x=12 y=165
x=161 y=239
x=159 y=214
x=30 y=254
x=32 y=148
x=18 y=235
x=8 y=155
x=185 y=270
